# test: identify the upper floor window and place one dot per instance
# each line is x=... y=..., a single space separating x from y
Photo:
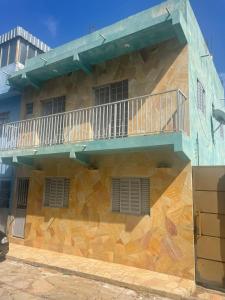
x=8 y=53
x=12 y=51
x=4 y=117
x=131 y=195
x=111 y=92
x=23 y=52
x=29 y=109
x=201 y=97
x=16 y=50
x=53 y=106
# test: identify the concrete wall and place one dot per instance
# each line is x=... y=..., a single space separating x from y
x=4 y=73
x=162 y=242
x=208 y=152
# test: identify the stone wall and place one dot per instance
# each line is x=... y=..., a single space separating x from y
x=161 y=241
x=158 y=69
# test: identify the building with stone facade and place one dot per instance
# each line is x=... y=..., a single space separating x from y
x=16 y=46
x=104 y=162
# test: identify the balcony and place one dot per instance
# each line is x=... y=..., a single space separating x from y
x=155 y=114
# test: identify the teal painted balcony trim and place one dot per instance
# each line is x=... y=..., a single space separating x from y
x=178 y=141
x=139 y=31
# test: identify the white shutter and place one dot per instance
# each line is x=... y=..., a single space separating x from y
x=56 y=192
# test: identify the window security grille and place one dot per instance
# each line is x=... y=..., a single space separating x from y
x=115 y=121
x=22 y=192
x=131 y=195
x=111 y=93
x=201 y=97
x=53 y=106
x=56 y=192
x=5 y=187
x=55 y=133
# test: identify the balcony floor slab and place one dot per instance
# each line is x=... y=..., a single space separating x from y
x=178 y=141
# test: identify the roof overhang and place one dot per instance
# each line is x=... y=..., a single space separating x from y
x=132 y=34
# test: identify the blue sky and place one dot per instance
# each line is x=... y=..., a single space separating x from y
x=56 y=23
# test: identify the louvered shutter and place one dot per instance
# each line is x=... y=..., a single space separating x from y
x=135 y=196
x=116 y=195
x=56 y=192
x=145 y=196
x=124 y=195
x=131 y=195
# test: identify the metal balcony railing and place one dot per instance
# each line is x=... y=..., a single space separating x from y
x=149 y=114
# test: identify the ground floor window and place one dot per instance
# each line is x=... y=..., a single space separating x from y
x=131 y=195
x=5 y=188
x=56 y=192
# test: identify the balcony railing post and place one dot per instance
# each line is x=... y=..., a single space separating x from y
x=162 y=112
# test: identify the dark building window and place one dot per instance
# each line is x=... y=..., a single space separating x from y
x=8 y=52
x=23 y=52
x=201 y=97
x=4 y=55
x=4 y=117
x=5 y=187
x=29 y=109
x=116 y=124
x=31 y=51
x=111 y=93
x=53 y=106
x=12 y=52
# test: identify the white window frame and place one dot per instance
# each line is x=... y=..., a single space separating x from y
x=65 y=201
x=142 y=208
x=201 y=97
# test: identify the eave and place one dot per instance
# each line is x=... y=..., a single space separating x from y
x=129 y=35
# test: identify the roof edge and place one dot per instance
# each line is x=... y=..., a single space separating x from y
x=21 y=32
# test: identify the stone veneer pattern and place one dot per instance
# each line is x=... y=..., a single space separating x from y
x=161 y=242
x=158 y=69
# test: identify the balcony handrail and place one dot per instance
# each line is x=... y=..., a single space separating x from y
x=152 y=113
x=96 y=106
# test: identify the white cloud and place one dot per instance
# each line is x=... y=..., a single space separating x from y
x=52 y=25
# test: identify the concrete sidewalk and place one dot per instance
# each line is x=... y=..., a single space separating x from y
x=124 y=276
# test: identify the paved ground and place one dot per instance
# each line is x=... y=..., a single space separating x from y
x=19 y=281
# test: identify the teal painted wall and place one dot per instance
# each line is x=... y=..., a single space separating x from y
x=206 y=149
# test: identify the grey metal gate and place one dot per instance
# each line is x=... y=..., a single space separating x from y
x=209 y=208
x=21 y=206
x=5 y=188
